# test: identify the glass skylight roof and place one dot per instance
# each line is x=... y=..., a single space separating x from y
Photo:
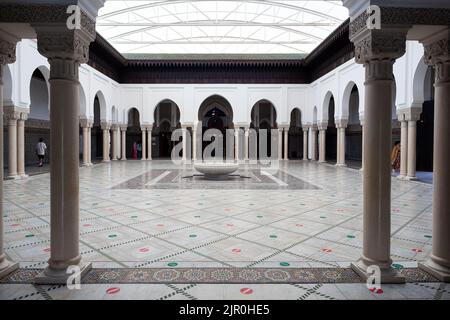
x=218 y=27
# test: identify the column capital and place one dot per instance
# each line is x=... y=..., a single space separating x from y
x=379 y=45
x=8 y=45
x=341 y=123
x=145 y=127
x=323 y=125
x=409 y=114
x=437 y=48
x=123 y=127
x=306 y=127
x=105 y=125
x=11 y=113
x=86 y=123
x=65 y=49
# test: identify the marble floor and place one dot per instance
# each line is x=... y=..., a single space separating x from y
x=143 y=214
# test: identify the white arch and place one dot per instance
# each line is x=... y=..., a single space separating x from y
x=218 y=96
x=273 y=106
x=83 y=104
x=419 y=82
x=298 y=121
x=315 y=115
x=7 y=86
x=326 y=105
x=346 y=99
x=157 y=122
x=102 y=103
x=39 y=105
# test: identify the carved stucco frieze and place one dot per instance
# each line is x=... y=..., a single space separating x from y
x=380 y=45
x=65 y=49
x=437 y=54
x=407 y=17
x=45 y=13
x=7 y=52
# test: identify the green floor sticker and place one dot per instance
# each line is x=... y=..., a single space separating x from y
x=172 y=264
x=397 y=266
x=285 y=264
x=350 y=236
x=192 y=236
x=273 y=236
x=29 y=236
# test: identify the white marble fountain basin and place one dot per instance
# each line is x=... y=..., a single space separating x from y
x=216 y=169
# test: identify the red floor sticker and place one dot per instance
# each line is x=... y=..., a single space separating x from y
x=46 y=250
x=417 y=250
x=144 y=250
x=299 y=225
x=87 y=225
x=160 y=225
x=15 y=225
x=112 y=290
x=377 y=291
x=246 y=291
x=236 y=250
x=326 y=250
x=230 y=225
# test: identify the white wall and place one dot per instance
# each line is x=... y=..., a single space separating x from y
x=409 y=74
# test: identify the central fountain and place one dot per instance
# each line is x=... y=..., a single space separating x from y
x=216 y=170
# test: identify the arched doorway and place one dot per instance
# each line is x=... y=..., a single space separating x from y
x=331 y=134
x=134 y=135
x=264 y=117
x=38 y=124
x=425 y=126
x=216 y=113
x=167 y=119
x=96 y=131
x=353 y=132
x=295 y=147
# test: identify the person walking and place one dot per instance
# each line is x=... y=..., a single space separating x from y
x=41 y=148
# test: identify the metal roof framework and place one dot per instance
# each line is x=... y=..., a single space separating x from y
x=218 y=27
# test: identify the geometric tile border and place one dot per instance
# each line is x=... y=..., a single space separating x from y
x=218 y=275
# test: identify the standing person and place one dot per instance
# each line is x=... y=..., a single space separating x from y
x=41 y=148
x=395 y=157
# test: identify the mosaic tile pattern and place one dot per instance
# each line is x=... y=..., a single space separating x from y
x=219 y=275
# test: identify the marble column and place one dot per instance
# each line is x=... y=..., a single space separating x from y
x=21 y=145
x=246 y=143
x=280 y=143
x=437 y=54
x=106 y=143
x=149 y=139
x=144 y=143
x=411 y=162
x=314 y=142
x=118 y=143
x=64 y=153
x=403 y=149
x=123 y=144
x=89 y=148
x=305 y=142
x=236 y=143
x=286 y=143
x=341 y=125
x=85 y=129
x=7 y=56
x=184 y=142
x=194 y=142
x=361 y=121
x=11 y=120
x=322 y=141
x=378 y=61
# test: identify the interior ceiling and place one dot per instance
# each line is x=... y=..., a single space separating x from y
x=218 y=27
